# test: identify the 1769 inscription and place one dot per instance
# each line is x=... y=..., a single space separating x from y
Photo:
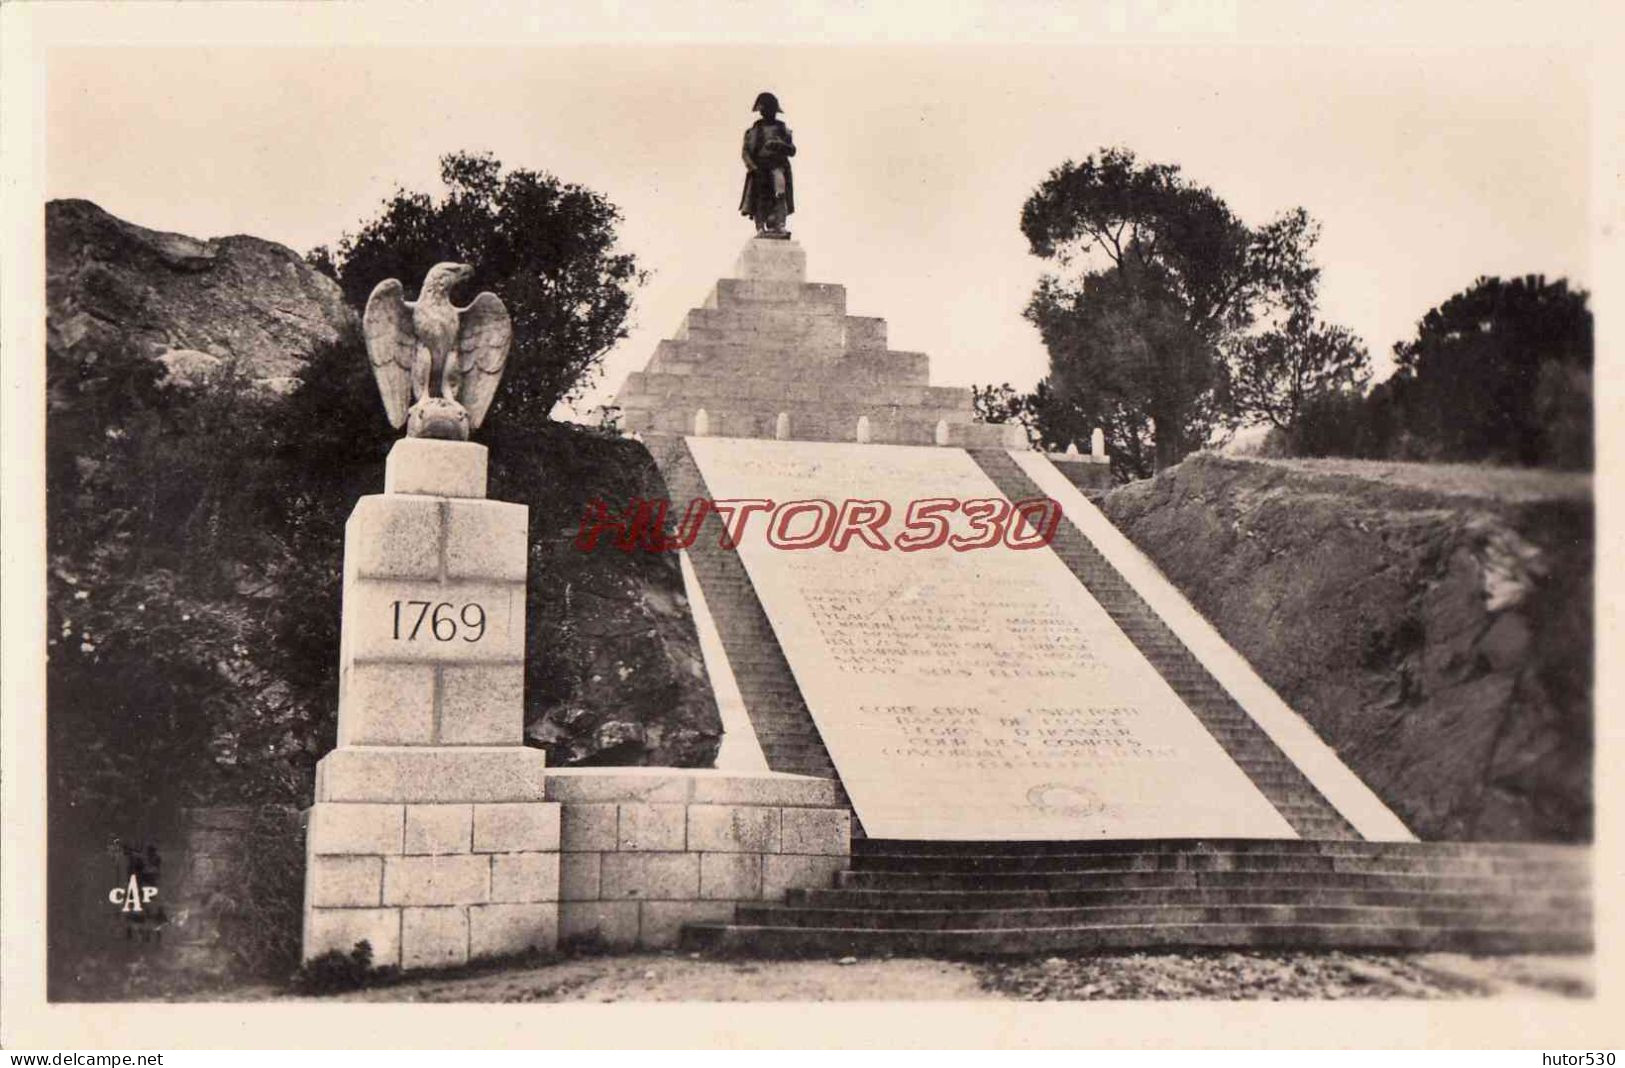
x=442 y=622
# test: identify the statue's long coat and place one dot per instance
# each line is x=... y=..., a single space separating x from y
x=758 y=182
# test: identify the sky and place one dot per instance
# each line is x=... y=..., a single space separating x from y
x=1425 y=165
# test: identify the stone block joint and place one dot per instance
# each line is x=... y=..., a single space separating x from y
x=432 y=837
x=770 y=355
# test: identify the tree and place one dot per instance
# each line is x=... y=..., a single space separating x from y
x=1123 y=357
x=546 y=246
x=1004 y=404
x=1500 y=372
x=1055 y=421
x=1157 y=275
x=1276 y=376
x=1336 y=422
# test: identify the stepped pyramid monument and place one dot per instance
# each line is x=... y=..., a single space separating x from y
x=1043 y=674
x=1043 y=746
x=771 y=355
x=963 y=714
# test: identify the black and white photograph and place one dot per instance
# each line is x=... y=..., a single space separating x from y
x=1073 y=513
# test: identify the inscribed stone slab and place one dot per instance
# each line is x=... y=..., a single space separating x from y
x=978 y=694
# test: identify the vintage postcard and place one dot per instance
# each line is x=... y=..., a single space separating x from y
x=1050 y=521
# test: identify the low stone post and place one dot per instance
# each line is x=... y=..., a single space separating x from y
x=430 y=837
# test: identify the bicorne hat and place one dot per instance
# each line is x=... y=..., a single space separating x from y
x=766 y=102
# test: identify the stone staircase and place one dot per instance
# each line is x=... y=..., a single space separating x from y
x=1276 y=776
x=768 y=343
x=779 y=715
x=975 y=898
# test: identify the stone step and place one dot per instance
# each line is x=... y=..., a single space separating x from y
x=1274 y=764
x=748 y=292
x=786 y=723
x=805 y=748
x=1578 y=854
x=811 y=749
x=780 y=688
x=1155 y=639
x=804 y=744
x=799 y=764
x=1396 y=878
x=1200 y=893
x=1279 y=781
x=1279 y=777
x=797 y=750
x=793 y=767
x=1222 y=718
x=1507 y=915
x=1245 y=742
x=1576 y=902
x=804 y=731
x=1299 y=804
x=792 y=941
x=1459 y=865
x=801 y=758
x=1321 y=827
x=782 y=715
x=1294 y=801
x=782 y=722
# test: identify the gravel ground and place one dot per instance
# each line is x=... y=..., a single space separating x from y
x=654 y=977
x=684 y=977
x=1280 y=976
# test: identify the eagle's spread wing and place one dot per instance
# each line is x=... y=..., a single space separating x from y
x=392 y=346
x=483 y=337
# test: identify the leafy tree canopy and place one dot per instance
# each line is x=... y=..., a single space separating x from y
x=546 y=247
x=1156 y=276
x=1279 y=374
x=1220 y=271
x=1500 y=371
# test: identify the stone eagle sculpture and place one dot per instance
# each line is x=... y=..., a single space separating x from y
x=442 y=360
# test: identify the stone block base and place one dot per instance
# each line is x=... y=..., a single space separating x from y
x=436 y=468
x=431 y=774
x=431 y=837
x=434 y=937
x=646 y=850
x=432 y=884
x=771 y=355
x=1090 y=472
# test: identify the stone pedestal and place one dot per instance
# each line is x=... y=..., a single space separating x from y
x=430 y=836
x=772 y=260
x=771 y=355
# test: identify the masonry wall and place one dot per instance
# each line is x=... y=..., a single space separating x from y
x=434 y=884
x=772 y=355
x=645 y=851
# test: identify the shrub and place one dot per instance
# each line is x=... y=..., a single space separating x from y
x=335 y=972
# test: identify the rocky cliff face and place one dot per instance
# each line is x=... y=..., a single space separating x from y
x=1434 y=623
x=614 y=670
x=615 y=674
x=195 y=305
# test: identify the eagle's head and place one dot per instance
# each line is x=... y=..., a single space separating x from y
x=442 y=276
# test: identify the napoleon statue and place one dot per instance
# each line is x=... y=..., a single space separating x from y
x=770 y=192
